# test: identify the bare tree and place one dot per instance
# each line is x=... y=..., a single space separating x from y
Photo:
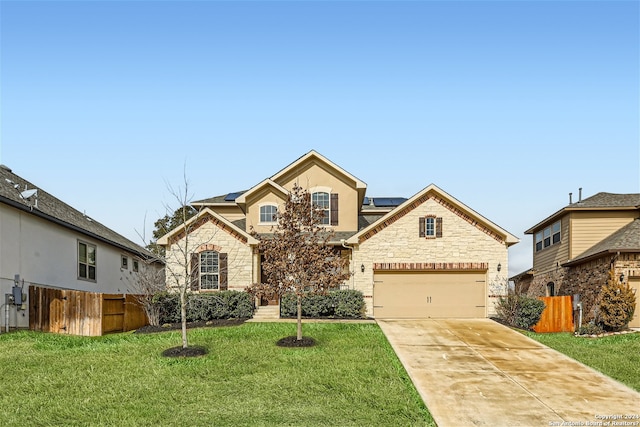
x=298 y=258
x=147 y=282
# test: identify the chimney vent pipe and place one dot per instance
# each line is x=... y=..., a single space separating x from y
x=570 y=201
x=580 y=194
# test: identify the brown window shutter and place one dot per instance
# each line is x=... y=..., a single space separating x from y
x=195 y=272
x=334 y=208
x=422 y=226
x=224 y=285
x=439 y=227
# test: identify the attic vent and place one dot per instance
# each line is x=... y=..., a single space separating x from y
x=5 y=167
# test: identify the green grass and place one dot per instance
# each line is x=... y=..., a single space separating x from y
x=617 y=356
x=350 y=378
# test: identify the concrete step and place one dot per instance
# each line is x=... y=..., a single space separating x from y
x=267 y=312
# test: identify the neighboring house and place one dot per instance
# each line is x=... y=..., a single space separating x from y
x=426 y=256
x=574 y=249
x=45 y=242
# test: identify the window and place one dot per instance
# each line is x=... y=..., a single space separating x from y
x=135 y=266
x=320 y=201
x=86 y=261
x=124 y=262
x=551 y=289
x=268 y=213
x=548 y=236
x=430 y=227
x=430 y=224
x=209 y=270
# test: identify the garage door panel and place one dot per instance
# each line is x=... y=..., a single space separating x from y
x=424 y=295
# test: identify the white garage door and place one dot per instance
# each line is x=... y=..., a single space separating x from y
x=429 y=294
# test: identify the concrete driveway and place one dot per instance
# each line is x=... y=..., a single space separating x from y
x=476 y=372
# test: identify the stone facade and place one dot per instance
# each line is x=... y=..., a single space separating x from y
x=461 y=242
x=585 y=279
x=211 y=235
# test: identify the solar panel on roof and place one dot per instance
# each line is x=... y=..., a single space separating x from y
x=388 y=201
x=233 y=196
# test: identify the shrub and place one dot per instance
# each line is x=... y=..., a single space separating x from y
x=340 y=303
x=591 y=328
x=203 y=307
x=617 y=303
x=530 y=312
x=519 y=310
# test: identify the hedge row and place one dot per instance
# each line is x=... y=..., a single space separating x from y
x=203 y=307
x=340 y=304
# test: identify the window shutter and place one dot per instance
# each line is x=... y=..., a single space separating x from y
x=223 y=271
x=334 y=208
x=422 y=226
x=195 y=272
x=439 y=227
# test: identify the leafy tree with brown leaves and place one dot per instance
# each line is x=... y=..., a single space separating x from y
x=297 y=257
x=617 y=303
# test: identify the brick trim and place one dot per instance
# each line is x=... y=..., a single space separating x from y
x=431 y=266
x=418 y=202
x=200 y=222
x=208 y=247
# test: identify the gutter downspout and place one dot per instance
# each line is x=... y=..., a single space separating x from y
x=351 y=266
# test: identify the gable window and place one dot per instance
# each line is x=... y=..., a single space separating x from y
x=320 y=201
x=209 y=271
x=268 y=214
x=430 y=227
x=86 y=261
x=124 y=262
x=548 y=236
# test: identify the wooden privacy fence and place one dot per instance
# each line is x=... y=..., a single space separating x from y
x=83 y=313
x=557 y=315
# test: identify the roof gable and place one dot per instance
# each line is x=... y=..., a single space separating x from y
x=267 y=183
x=315 y=157
x=204 y=216
x=449 y=202
x=15 y=191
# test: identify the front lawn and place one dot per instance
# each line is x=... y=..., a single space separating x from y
x=350 y=378
x=617 y=356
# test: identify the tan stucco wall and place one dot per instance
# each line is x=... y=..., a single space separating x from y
x=461 y=242
x=268 y=196
x=240 y=272
x=315 y=175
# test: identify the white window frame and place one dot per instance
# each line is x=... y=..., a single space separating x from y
x=268 y=205
x=209 y=270
x=430 y=226
x=326 y=219
x=87 y=262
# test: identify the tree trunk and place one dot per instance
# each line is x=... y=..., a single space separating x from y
x=183 y=316
x=299 y=337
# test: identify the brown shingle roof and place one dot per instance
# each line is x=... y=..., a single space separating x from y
x=608 y=200
x=52 y=209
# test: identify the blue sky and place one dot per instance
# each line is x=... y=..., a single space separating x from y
x=506 y=105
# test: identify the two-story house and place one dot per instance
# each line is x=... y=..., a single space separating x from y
x=575 y=248
x=426 y=256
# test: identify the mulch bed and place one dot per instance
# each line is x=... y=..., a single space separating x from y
x=190 y=325
x=190 y=351
x=294 y=342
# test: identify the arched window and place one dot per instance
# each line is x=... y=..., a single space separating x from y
x=268 y=213
x=321 y=201
x=551 y=289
